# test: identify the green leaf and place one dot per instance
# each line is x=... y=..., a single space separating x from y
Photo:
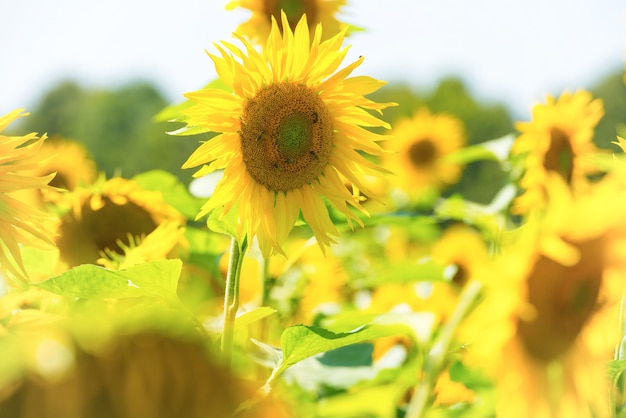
x=153 y=279
x=354 y=355
x=174 y=192
x=616 y=368
x=300 y=341
x=249 y=317
x=496 y=150
x=224 y=223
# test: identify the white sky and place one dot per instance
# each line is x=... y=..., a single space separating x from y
x=514 y=51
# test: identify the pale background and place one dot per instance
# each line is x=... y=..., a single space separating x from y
x=512 y=51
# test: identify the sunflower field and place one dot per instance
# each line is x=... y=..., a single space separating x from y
x=342 y=252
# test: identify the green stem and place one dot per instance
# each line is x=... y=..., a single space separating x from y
x=231 y=299
x=438 y=354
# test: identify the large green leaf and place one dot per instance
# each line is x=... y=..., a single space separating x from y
x=174 y=192
x=153 y=279
x=300 y=341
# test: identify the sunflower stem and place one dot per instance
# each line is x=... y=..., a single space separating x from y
x=438 y=354
x=231 y=299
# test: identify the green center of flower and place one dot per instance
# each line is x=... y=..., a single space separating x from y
x=294 y=9
x=286 y=136
x=565 y=298
x=422 y=152
x=560 y=155
x=294 y=136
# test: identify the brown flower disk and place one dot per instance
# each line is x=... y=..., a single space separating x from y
x=286 y=136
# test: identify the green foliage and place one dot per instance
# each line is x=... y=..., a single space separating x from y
x=174 y=192
x=153 y=279
x=116 y=126
x=612 y=90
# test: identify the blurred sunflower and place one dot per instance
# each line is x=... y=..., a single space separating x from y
x=257 y=29
x=463 y=250
x=19 y=222
x=289 y=131
x=145 y=374
x=548 y=323
x=156 y=245
x=557 y=139
x=419 y=143
x=72 y=167
x=107 y=216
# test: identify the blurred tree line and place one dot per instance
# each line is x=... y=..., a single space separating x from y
x=116 y=126
x=118 y=129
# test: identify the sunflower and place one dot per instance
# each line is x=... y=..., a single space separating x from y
x=71 y=165
x=156 y=245
x=259 y=26
x=19 y=222
x=420 y=142
x=558 y=138
x=287 y=134
x=108 y=217
x=548 y=323
x=142 y=374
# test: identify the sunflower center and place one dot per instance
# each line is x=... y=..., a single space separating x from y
x=294 y=9
x=422 y=152
x=461 y=275
x=82 y=239
x=560 y=155
x=286 y=136
x=294 y=136
x=565 y=297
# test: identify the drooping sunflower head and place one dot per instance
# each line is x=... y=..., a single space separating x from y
x=258 y=27
x=20 y=223
x=110 y=217
x=419 y=143
x=557 y=139
x=288 y=133
x=552 y=307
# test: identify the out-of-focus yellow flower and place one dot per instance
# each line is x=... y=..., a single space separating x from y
x=145 y=374
x=157 y=245
x=291 y=129
x=106 y=215
x=547 y=325
x=19 y=222
x=71 y=166
x=419 y=143
x=557 y=139
x=257 y=29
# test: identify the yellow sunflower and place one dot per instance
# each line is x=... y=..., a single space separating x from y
x=419 y=143
x=72 y=167
x=141 y=374
x=107 y=217
x=19 y=222
x=548 y=324
x=159 y=244
x=558 y=138
x=258 y=28
x=289 y=131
